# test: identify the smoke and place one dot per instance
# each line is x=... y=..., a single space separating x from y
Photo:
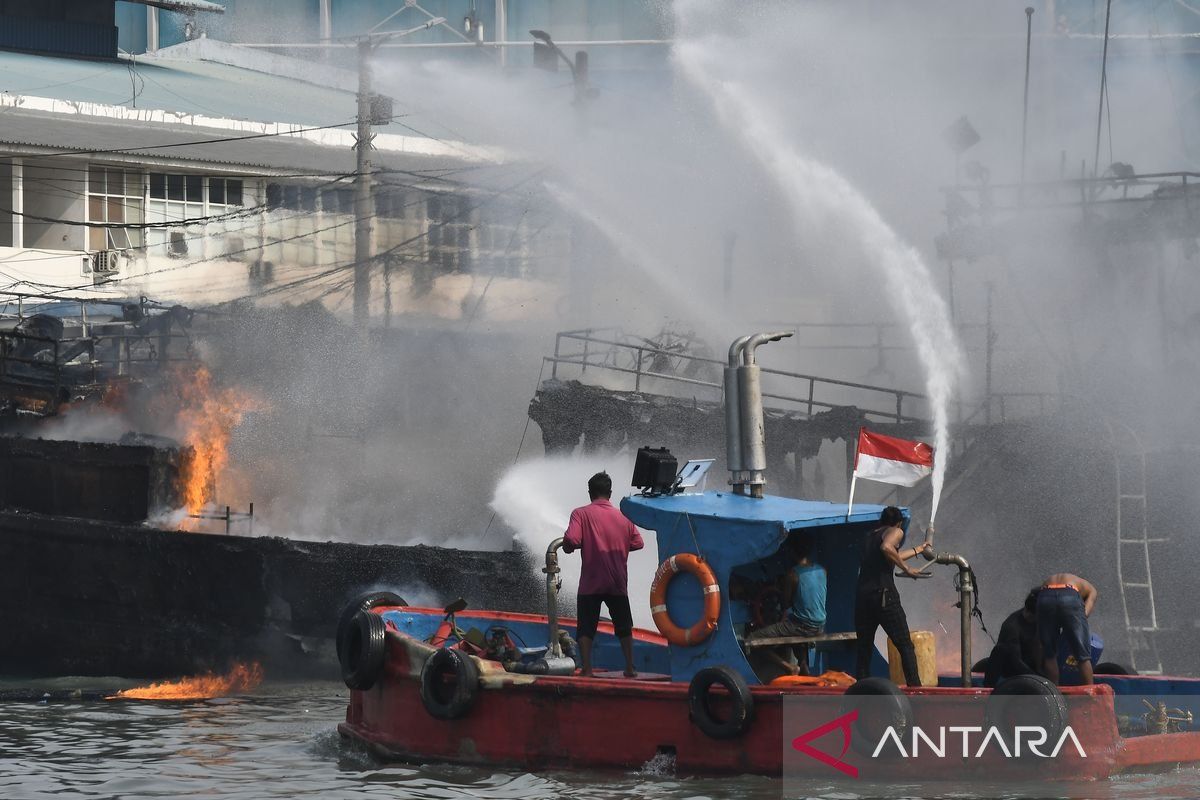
x=535 y=498
x=811 y=134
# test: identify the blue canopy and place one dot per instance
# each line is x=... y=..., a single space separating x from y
x=652 y=512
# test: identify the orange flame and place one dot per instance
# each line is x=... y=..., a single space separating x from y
x=242 y=678
x=207 y=416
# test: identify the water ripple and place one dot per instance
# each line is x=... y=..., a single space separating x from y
x=282 y=743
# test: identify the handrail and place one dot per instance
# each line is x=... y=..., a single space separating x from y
x=1132 y=180
x=597 y=352
x=717 y=361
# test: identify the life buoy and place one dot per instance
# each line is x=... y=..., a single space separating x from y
x=667 y=570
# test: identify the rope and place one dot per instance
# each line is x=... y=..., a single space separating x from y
x=692 y=530
x=976 y=612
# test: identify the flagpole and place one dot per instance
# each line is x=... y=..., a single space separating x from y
x=854 y=472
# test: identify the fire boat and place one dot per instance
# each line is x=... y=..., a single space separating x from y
x=501 y=688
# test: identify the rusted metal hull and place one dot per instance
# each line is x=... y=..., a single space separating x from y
x=82 y=597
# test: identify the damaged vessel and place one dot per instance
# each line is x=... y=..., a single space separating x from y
x=98 y=582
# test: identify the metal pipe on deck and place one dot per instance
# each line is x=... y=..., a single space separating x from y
x=966 y=599
x=553 y=584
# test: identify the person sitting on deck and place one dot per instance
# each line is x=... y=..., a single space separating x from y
x=878 y=602
x=605 y=538
x=1018 y=649
x=1063 y=606
x=805 y=616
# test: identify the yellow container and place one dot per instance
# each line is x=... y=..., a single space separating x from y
x=923 y=643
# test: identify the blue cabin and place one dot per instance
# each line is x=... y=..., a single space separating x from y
x=741 y=537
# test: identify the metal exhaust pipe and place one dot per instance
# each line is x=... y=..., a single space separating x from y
x=753 y=423
x=733 y=415
x=745 y=436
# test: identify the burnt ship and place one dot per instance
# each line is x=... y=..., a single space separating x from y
x=113 y=556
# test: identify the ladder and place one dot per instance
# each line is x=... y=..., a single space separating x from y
x=1133 y=552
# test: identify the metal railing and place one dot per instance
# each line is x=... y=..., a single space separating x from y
x=230 y=518
x=1069 y=193
x=126 y=353
x=639 y=358
x=609 y=350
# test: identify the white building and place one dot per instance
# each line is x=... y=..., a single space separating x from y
x=210 y=172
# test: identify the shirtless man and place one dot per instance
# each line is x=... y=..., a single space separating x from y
x=1064 y=603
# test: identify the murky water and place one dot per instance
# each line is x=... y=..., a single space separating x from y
x=281 y=741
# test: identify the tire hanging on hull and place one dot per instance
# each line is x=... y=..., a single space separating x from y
x=364 y=603
x=449 y=684
x=739 y=692
x=365 y=650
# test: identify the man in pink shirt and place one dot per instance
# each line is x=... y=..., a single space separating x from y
x=605 y=538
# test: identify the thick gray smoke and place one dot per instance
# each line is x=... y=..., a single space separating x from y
x=1093 y=308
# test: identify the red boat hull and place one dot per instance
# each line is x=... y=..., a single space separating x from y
x=548 y=722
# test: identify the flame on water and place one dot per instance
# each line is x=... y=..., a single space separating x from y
x=242 y=678
x=206 y=417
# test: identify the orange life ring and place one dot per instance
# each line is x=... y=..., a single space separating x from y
x=694 y=565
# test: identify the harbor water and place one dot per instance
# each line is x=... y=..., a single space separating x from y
x=280 y=741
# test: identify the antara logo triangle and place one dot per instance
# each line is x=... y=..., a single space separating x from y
x=843 y=723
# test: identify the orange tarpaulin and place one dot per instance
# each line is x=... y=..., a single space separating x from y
x=828 y=678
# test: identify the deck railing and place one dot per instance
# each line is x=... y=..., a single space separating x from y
x=609 y=351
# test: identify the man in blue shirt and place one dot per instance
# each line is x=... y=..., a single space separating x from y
x=805 y=616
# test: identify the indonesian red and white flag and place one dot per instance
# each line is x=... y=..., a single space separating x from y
x=890 y=460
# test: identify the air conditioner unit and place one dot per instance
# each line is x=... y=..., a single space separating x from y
x=107 y=262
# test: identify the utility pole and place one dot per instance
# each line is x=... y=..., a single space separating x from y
x=1103 y=90
x=372 y=110
x=362 y=190
x=1025 y=102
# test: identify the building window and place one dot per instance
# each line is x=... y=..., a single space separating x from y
x=114 y=196
x=224 y=192
x=174 y=198
x=291 y=196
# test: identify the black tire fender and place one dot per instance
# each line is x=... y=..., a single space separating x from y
x=881 y=705
x=739 y=691
x=364 y=603
x=449 y=699
x=1047 y=706
x=981 y=665
x=365 y=650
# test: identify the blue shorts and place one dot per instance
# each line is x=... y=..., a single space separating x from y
x=1060 y=615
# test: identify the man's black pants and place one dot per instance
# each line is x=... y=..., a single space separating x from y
x=873 y=609
x=1005 y=662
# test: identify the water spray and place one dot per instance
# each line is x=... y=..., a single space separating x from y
x=820 y=195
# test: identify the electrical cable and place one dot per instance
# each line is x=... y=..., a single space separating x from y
x=467 y=209
x=237 y=212
x=192 y=143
